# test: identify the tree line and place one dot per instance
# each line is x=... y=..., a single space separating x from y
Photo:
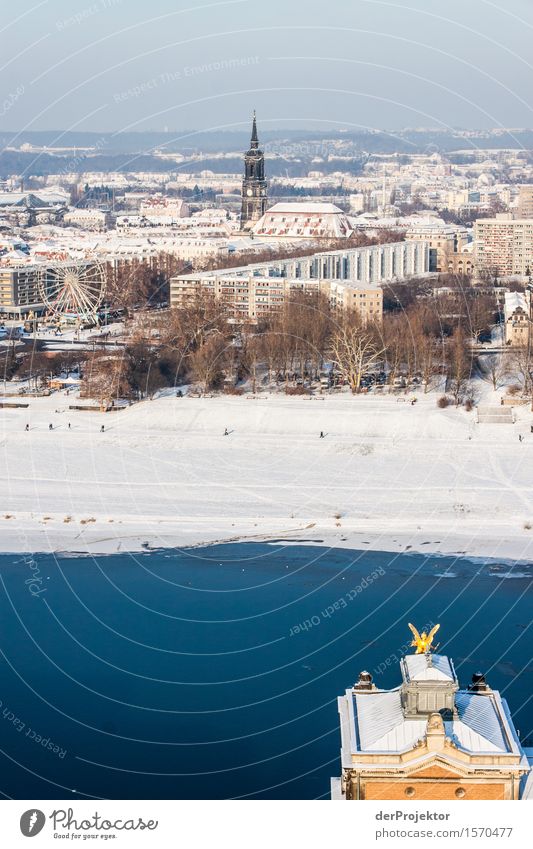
x=427 y=334
x=428 y=337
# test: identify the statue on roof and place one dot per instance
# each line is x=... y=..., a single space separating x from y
x=423 y=642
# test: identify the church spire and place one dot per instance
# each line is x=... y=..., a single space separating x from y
x=254 y=185
x=255 y=138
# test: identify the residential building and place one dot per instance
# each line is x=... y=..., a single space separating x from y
x=504 y=246
x=159 y=209
x=21 y=290
x=250 y=297
x=350 y=278
x=445 y=241
x=88 y=219
x=525 y=201
x=462 y=262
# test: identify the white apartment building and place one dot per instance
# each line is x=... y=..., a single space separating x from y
x=504 y=246
x=444 y=241
x=88 y=219
x=350 y=278
x=159 y=209
x=248 y=297
x=525 y=201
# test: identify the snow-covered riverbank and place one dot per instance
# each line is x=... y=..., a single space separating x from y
x=387 y=475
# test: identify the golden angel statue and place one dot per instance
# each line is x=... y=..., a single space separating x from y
x=423 y=642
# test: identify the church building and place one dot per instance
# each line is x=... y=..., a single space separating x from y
x=254 y=185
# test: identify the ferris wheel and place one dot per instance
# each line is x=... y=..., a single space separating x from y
x=73 y=292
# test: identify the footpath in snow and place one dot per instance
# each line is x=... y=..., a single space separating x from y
x=387 y=476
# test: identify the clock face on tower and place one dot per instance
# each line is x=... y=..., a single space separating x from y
x=249 y=193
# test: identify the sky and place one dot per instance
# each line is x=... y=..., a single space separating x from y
x=112 y=65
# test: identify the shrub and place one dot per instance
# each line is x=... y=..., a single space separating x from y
x=469 y=405
x=296 y=390
x=443 y=402
x=233 y=390
x=513 y=390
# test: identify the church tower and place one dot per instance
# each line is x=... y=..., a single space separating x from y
x=254 y=185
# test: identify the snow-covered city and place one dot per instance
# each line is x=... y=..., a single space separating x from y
x=266 y=421
x=154 y=275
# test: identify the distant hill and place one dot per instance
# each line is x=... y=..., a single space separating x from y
x=296 y=150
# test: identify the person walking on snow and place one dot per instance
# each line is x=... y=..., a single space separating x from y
x=226 y=432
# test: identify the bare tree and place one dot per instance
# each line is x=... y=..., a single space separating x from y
x=521 y=360
x=105 y=378
x=459 y=363
x=425 y=347
x=355 y=349
x=133 y=284
x=143 y=369
x=36 y=368
x=251 y=356
x=480 y=312
x=393 y=332
x=208 y=362
x=494 y=368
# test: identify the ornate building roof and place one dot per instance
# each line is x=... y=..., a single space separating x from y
x=482 y=724
x=428 y=738
x=304 y=220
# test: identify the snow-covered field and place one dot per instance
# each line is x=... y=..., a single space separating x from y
x=388 y=475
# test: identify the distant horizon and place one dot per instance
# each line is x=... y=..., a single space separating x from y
x=276 y=129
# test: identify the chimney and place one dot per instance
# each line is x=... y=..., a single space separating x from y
x=364 y=683
x=479 y=684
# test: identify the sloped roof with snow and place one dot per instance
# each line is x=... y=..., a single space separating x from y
x=382 y=727
x=515 y=301
x=304 y=209
x=433 y=667
x=376 y=721
x=304 y=220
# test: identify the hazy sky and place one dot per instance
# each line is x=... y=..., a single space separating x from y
x=108 y=65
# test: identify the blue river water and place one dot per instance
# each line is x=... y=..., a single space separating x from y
x=214 y=673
